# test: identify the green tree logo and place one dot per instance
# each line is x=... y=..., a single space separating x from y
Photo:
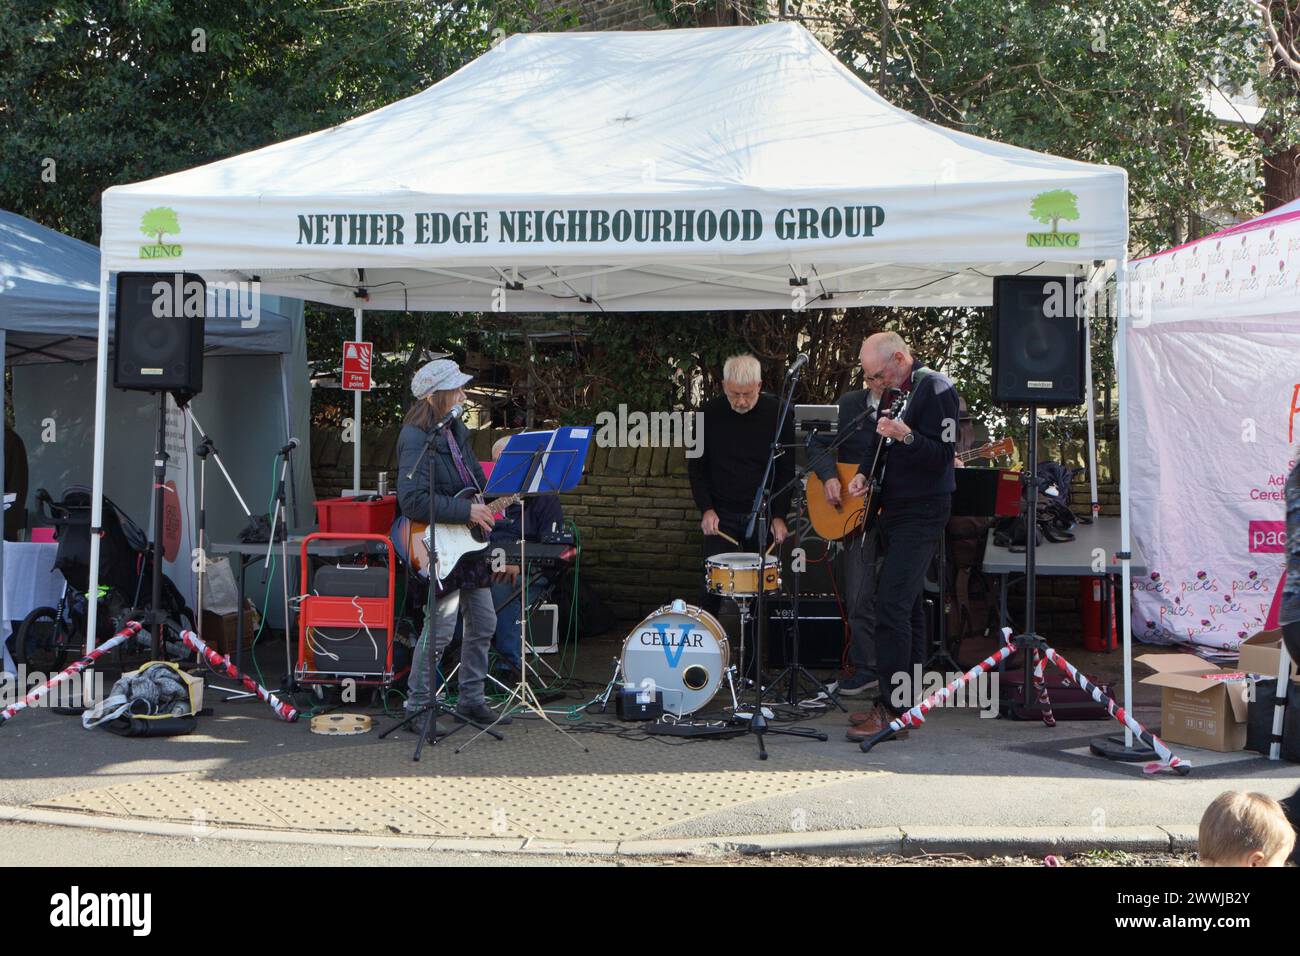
x=1053 y=206
x=159 y=221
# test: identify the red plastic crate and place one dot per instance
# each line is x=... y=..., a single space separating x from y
x=345 y=515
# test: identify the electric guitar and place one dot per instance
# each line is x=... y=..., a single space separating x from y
x=454 y=541
x=834 y=522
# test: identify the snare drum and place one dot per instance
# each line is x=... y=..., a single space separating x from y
x=680 y=650
x=736 y=574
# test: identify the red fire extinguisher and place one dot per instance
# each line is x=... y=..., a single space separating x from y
x=1090 y=604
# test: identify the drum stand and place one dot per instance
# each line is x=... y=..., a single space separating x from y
x=795 y=674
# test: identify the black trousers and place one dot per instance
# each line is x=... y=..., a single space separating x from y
x=909 y=533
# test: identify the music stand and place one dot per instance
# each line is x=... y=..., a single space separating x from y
x=533 y=464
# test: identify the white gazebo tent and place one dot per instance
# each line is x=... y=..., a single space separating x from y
x=1215 y=347
x=702 y=169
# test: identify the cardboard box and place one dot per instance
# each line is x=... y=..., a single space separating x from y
x=1262 y=654
x=1200 y=705
x=221 y=630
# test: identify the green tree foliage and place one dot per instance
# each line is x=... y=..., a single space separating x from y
x=117 y=91
x=1104 y=81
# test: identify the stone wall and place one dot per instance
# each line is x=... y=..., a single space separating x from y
x=638 y=524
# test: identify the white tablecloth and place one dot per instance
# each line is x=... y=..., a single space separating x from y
x=30 y=581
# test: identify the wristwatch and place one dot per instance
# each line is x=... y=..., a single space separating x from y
x=909 y=438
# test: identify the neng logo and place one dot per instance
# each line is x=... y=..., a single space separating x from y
x=1268 y=537
x=160 y=221
x=1050 y=208
x=76 y=909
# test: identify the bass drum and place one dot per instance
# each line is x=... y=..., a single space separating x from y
x=680 y=650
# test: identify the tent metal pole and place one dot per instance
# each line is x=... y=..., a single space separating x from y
x=1089 y=299
x=356 y=420
x=4 y=417
x=1125 y=541
x=97 y=468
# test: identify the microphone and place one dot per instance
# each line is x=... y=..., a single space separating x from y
x=455 y=412
x=293 y=443
x=799 y=363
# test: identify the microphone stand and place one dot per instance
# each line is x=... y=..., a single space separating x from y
x=431 y=711
x=758 y=724
x=794 y=671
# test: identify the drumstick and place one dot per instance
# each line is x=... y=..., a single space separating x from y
x=769 y=549
x=723 y=534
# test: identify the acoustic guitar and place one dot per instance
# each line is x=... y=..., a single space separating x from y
x=833 y=523
x=454 y=541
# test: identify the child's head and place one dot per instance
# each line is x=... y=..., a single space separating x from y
x=1245 y=829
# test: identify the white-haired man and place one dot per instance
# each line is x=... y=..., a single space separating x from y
x=738 y=427
x=915 y=501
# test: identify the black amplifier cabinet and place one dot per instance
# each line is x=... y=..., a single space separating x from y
x=821 y=632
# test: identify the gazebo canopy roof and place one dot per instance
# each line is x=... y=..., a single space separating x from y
x=669 y=169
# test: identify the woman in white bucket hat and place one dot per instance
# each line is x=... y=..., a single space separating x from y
x=439 y=387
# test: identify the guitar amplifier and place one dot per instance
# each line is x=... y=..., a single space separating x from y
x=821 y=632
x=358 y=652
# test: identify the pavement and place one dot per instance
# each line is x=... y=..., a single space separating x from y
x=962 y=783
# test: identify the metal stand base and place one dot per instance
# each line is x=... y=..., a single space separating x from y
x=798 y=676
x=524 y=699
x=430 y=734
x=1113 y=748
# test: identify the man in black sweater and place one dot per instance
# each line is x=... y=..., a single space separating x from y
x=738 y=429
x=915 y=501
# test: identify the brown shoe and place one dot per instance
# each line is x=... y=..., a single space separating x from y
x=861 y=716
x=877 y=720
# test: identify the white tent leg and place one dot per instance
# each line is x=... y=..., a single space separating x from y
x=356 y=421
x=1279 y=709
x=1125 y=541
x=97 y=468
x=1092 y=405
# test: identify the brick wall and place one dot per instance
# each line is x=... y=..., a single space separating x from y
x=608 y=14
x=638 y=524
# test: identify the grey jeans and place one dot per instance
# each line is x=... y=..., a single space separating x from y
x=860 y=562
x=480 y=624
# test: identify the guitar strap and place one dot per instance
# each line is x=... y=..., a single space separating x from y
x=919 y=375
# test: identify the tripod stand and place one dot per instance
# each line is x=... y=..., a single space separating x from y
x=431 y=711
x=1035 y=648
x=531 y=453
x=759 y=515
x=206 y=449
x=795 y=674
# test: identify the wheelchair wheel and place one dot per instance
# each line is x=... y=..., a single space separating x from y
x=44 y=642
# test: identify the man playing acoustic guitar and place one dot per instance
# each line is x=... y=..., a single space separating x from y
x=915 y=501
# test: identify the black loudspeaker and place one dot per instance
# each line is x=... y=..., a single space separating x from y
x=1038 y=345
x=158 y=332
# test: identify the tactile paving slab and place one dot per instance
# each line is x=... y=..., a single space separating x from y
x=534 y=784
